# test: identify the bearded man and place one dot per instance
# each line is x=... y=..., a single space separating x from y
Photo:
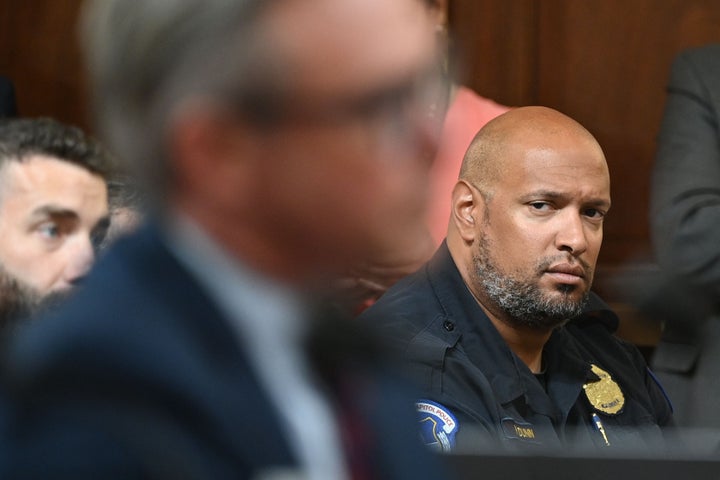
x=500 y=328
x=53 y=212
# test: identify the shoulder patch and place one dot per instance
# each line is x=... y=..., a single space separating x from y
x=438 y=426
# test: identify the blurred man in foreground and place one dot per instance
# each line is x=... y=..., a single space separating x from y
x=463 y=113
x=280 y=142
x=53 y=211
x=500 y=328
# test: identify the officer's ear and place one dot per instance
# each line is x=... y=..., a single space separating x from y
x=467 y=208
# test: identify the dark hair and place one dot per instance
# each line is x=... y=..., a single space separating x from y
x=125 y=192
x=22 y=137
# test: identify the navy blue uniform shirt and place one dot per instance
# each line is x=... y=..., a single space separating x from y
x=595 y=390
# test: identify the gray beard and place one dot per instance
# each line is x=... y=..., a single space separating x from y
x=524 y=304
x=19 y=301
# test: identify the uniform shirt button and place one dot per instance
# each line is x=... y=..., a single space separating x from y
x=448 y=325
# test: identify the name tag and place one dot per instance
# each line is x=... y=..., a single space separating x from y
x=518 y=430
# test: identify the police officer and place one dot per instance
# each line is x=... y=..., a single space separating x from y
x=500 y=327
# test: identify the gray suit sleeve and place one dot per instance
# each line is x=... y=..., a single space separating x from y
x=685 y=193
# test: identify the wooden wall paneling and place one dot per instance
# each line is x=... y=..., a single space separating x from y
x=4 y=38
x=605 y=63
x=40 y=53
x=495 y=41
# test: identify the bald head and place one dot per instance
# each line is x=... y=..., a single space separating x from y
x=527 y=219
x=505 y=138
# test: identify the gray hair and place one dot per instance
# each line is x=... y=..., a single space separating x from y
x=146 y=57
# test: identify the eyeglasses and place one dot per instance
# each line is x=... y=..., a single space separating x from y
x=392 y=106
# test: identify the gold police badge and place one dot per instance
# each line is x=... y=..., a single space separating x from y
x=605 y=395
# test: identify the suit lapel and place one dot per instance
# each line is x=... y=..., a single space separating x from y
x=242 y=415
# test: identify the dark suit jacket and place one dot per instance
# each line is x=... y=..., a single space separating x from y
x=141 y=376
x=685 y=221
x=8 y=107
